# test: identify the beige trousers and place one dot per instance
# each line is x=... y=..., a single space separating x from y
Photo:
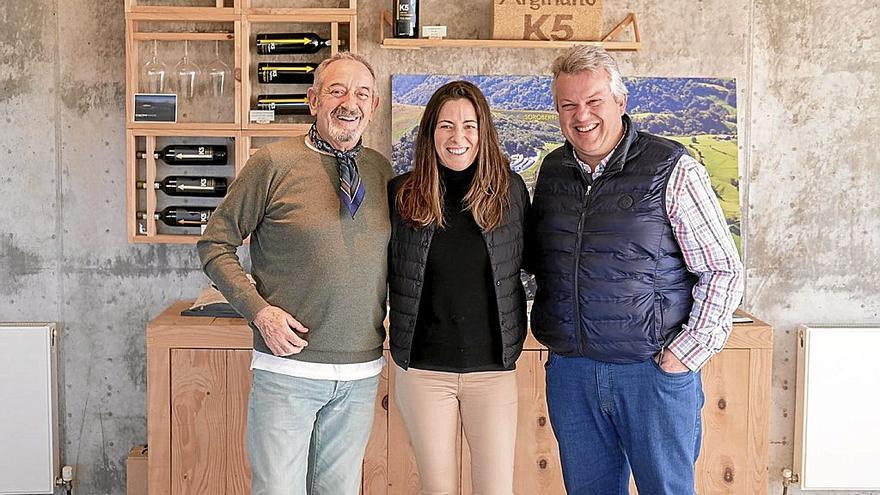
x=431 y=403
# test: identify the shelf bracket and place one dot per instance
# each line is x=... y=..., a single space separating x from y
x=630 y=19
x=384 y=18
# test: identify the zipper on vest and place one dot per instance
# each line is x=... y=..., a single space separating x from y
x=577 y=259
x=495 y=284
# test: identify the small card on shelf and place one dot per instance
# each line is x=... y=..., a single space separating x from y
x=434 y=32
x=155 y=107
x=262 y=116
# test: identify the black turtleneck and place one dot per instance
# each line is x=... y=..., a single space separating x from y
x=457 y=328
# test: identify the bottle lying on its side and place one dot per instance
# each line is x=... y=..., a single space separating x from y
x=283 y=43
x=191 y=154
x=180 y=185
x=285 y=104
x=182 y=216
x=286 y=73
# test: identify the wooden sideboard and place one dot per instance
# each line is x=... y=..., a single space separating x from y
x=198 y=382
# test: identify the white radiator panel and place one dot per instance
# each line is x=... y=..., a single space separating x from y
x=837 y=436
x=28 y=408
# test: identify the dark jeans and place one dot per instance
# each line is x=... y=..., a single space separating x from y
x=610 y=417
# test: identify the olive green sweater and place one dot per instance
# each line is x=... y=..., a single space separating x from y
x=308 y=256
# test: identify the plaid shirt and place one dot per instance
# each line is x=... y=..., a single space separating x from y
x=709 y=253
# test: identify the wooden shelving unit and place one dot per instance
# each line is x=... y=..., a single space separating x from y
x=148 y=230
x=228 y=21
x=220 y=6
x=608 y=42
x=334 y=17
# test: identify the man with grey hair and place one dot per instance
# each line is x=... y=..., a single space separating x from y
x=637 y=279
x=316 y=210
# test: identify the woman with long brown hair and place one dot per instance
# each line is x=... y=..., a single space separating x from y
x=458 y=307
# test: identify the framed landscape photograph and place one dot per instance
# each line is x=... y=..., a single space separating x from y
x=700 y=113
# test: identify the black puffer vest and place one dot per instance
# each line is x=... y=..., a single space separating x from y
x=612 y=281
x=408 y=253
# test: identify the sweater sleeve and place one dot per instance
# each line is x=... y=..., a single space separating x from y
x=237 y=216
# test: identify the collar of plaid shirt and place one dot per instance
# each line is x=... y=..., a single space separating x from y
x=594 y=174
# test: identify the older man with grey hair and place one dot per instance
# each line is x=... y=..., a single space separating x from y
x=316 y=210
x=637 y=279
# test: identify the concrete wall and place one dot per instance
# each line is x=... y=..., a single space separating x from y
x=808 y=76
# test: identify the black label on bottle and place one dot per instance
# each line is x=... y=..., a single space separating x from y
x=406 y=19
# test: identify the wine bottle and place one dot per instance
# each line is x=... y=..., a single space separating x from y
x=406 y=19
x=286 y=73
x=179 y=185
x=280 y=43
x=182 y=216
x=191 y=154
x=284 y=104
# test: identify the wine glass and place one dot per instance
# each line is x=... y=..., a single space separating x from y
x=153 y=73
x=188 y=74
x=218 y=73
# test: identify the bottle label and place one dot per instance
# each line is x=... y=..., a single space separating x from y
x=404 y=13
x=280 y=43
x=198 y=154
x=406 y=16
x=296 y=69
x=199 y=185
x=194 y=217
x=286 y=73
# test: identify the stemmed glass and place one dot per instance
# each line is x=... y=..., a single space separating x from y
x=218 y=73
x=187 y=74
x=153 y=73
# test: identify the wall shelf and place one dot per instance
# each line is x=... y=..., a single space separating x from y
x=608 y=42
x=165 y=239
x=418 y=43
x=193 y=14
x=303 y=16
x=148 y=36
x=308 y=12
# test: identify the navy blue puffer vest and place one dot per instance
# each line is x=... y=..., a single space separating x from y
x=612 y=282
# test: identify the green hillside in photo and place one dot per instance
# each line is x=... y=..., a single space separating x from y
x=699 y=113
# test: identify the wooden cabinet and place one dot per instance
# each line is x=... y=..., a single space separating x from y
x=736 y=416
x=198 y=380
x=198 y=383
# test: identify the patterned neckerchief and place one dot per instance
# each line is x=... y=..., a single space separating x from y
x=351 y=189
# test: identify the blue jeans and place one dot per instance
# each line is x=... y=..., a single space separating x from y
x=308 y=436
x=609 y=418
